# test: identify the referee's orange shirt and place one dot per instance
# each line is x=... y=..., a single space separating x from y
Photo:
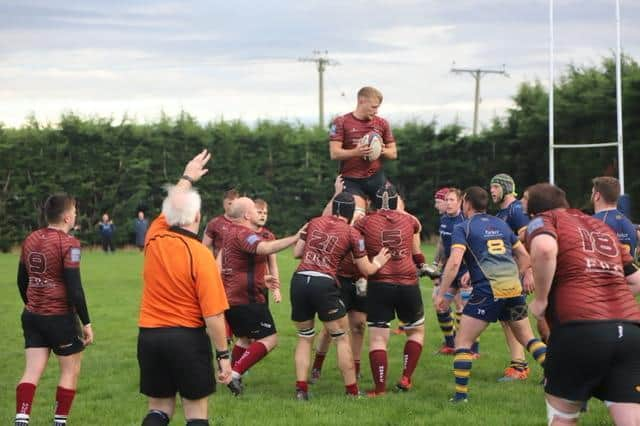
x=182 y=283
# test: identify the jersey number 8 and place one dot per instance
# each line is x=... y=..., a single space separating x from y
x=496 y=247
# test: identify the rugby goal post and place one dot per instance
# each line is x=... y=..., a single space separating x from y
x=624 y=200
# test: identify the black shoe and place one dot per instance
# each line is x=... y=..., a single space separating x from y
x=302 y=395
x=235 y=386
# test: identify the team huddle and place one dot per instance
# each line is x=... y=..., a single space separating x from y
x=360 y=267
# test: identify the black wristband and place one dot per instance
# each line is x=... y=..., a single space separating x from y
x=222 y=354
x=188 y=179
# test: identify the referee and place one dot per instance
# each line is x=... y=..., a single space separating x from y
x=182 y=294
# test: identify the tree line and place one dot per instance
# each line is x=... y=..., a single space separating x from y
x=121 y=166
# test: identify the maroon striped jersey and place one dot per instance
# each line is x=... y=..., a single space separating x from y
x=216 y=228
x=589 y=282
x=242 y=269
x=348 y=268
x=45 y=253
x=328 y=240
x=394 y=230
x=349 y=130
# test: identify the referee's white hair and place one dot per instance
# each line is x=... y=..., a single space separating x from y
x=181 y=207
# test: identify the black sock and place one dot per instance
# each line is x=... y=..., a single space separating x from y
x=156 y=418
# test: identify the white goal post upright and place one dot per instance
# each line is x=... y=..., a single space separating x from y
x=552 y=145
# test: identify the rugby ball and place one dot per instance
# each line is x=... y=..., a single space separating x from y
x=373 y=140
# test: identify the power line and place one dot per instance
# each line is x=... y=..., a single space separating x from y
x=322 y=61
x=477 y=75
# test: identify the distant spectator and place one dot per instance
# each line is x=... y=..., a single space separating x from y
x=140 y=226
x=107 y=229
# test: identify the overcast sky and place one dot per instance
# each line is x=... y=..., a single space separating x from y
x=239 y=59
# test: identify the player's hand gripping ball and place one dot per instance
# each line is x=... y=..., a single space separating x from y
x=374 y=141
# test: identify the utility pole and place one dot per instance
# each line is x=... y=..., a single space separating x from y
x=322 y=61
x=477 y=75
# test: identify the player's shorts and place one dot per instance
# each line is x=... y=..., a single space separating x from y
x=365 y=187
x=352 y=302
x=315 y=294
x=483 y=306
x=175 y=359
x=253 y=320
x=599 y=358
x=385 y=301
x=61 y=333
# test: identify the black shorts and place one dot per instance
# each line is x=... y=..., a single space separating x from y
x=61 y=333
x=352 y=302
x=175 y=359
x=253 y=321
x=385 y=300
x=365 y=187
x=594 y=359
x=311 y=295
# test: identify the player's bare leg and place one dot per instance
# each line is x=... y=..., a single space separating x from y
x=66 y=390
x=338 y=330
x=358 y=325
x=322 y=347
x=411 y=355
x=378 y=340
x=470 y=330
x=625 y=413
x=302 y=357
x=518 y=368
x=524 y=334
x=35 y=364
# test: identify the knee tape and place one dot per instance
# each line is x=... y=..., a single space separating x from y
x=414 y=324
x=379 y=324
x=553 y=412
x=465 y=294
x=306 y=332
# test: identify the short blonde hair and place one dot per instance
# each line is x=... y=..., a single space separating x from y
x=370 y=93
x=181 y=207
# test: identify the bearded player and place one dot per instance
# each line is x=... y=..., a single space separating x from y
x=393 y=289
x=362 y=177
x=503 y=194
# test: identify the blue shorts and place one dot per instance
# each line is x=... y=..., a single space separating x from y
x=483 y=306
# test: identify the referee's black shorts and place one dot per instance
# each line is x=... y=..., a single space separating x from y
x=598 y=358
x=175 y=360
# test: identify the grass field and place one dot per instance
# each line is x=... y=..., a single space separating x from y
x=108 y=388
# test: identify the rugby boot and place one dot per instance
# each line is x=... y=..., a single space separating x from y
x=315 y=375
x=404 y=385
x=458 y=400
x=511 y=374
x=446 y=350
x=235 y=386
x=302 y=395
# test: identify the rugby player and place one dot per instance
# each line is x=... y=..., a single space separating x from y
x=393 y=289
x=503 y=194
x=584 y=286
x=262 y=208
x=216 y=227
x=604 y=196
x=488 y=247
x=361 y=177
x=50 y=287
x=460 y=291
x=244 y=276
x=314 y=287
x=182 y=294
x=353 y=289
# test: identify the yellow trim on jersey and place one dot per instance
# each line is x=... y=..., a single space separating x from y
x=518 y=243
x=462 y=246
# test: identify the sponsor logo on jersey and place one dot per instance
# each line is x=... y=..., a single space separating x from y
x=251 y=239
x=332 y=130
x=75 y=254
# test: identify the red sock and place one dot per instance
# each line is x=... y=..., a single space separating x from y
x=236 y=353
x=352 y=389
x=303 y=386
x=254 y=353
x=378 y=361
x=24 y=397
x=318 y=360
x=412 y=351
x=356 y=363
x=64 y=399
